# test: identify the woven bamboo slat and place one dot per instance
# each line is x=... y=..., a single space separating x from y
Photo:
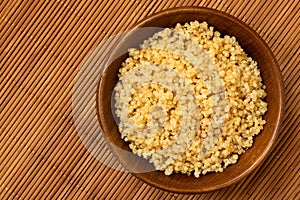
x=43 y=47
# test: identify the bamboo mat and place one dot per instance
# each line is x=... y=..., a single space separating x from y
x=51 y=149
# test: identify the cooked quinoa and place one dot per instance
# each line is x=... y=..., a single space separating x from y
x=189 y=100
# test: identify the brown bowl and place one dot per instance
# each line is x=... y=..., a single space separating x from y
x=263 y=143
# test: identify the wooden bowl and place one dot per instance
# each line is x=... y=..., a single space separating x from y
x=263 y=143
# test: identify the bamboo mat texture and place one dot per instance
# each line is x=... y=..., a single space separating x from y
x=50 y=146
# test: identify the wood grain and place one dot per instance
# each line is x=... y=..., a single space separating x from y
x=253 y=46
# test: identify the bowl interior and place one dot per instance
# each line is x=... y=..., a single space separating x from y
x=254 y=47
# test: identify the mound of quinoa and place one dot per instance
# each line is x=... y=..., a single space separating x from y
x=189 y=100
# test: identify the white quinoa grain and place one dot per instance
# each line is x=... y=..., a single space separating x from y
x=190 y=100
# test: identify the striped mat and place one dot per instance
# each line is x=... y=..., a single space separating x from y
x=50 y=145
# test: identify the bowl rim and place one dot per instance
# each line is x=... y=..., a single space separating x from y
x=258 y=162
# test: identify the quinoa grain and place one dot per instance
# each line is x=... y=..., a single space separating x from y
x=190 y=100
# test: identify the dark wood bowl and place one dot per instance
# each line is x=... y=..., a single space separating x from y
x=263 y=143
